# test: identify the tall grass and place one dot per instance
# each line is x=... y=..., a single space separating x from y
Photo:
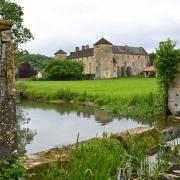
x=107 y=158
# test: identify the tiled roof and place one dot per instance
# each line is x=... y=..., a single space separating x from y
x=60 y=52
x=81 y=53
x=116 y=50
x=102 y=41
x=129 y=50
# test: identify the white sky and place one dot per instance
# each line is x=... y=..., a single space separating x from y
x=64 y=24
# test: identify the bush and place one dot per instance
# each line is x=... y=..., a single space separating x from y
x=10 y=169
x=25 y=70
x=64 y=70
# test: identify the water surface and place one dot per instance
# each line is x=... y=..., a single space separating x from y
x=59 y=124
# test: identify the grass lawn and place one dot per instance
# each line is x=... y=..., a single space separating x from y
x=111 y=88
x=126 y=96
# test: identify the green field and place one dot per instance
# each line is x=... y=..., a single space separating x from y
x=112 y=88
x=125 y=96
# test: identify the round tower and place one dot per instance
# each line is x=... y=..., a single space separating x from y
x=61 y=55
x=104 y=59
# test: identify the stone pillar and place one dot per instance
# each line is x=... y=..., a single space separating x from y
x=8 y=137
x=174 y=95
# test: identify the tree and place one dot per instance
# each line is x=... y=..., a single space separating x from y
x=26 y=70
x=38 y=61
x=166 y=64
x=64 y=70
x=13 y=12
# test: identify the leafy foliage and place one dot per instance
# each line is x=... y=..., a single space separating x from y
x=166 y=64
x=13 y=12
x=10 y=169
x=26 y=70
x=64 y=70
x=38 y=61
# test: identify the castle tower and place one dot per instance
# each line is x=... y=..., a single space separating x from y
x=104 y=59
x=61 y=55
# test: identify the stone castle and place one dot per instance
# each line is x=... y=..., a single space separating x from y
x=106 y=60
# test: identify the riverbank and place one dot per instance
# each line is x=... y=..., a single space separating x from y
x=101 y=158
x=135 y=97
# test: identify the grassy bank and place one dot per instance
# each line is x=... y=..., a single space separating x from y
x=108 y=158
x=126 y=96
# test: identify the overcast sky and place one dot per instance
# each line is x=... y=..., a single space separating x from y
x=64 y=24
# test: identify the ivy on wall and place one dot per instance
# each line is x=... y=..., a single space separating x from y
x=166 y=65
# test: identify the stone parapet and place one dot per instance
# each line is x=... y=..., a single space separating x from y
x=8 y=137
x=174 y=95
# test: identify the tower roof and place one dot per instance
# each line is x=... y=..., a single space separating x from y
x=60 y=52
x=102 y=41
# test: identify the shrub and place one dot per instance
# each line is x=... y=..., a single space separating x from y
x=26 y=70
x=11 y=169
x=64 y=70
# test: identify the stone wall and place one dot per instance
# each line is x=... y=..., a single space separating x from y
x=89 y=64
x=132 y=65
x=8 y=137
x=174 y=95
x=105 y=64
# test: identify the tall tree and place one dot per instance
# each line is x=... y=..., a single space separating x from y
x=13 y=12
x=38 y=61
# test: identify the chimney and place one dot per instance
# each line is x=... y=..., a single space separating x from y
x=83 y=47
x=77 y=49
x=87 y=46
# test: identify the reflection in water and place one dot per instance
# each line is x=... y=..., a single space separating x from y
x=24 y=135
x=59 y=124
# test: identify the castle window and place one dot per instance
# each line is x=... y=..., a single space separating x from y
x=125 y=63
x=87 y=57
x=114 y=61
x=128 y=57
x=133 y=63
x=133 y=57
x=138 y=57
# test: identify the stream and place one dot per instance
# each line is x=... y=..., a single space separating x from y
x=51 y=125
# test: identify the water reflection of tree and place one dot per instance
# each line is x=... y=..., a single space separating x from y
x=86 y=111
x=24 y=135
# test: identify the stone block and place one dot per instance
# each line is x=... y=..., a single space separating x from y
x=3 y=88
x=5 y=25
x=174 y=94
x=6 y=36
x=4 y=49
x=176 y=82
x=2 y=68
x=174 y=108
